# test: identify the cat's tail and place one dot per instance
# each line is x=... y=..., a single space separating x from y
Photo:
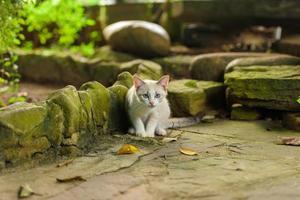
x=183 y=121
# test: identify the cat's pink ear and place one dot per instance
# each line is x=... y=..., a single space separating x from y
x=137 y=81
x=164 y=81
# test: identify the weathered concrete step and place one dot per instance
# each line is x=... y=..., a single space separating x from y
x=211 y=66
x=272 y=87
x=191 y=97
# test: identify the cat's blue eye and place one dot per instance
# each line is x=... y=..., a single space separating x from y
x=157 y=95
x=145 y=96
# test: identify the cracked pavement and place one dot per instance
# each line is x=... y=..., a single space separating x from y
x=236 y=160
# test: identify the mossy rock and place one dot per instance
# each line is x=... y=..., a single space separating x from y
x=36 y=66
x=263 y=61
x=100 y=99
x=17 y=155
x=21 y=133
x=104 y=72
x=144 y=68
x=191 y=97
x=186 y=98
x=70 y=151
x=87 y=105
x=53 y=126
x=18 y=121
x=176 y=66
x=215 y=93
x=271 y=87
x=85 y=135
x=52 y=66
x=240 y=112
x=125 y=79
x=105 y=53
x=22 y=117
x=69 y=101
x=118 y=120
x=211 y=67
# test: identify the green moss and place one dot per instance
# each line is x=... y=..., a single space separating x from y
x=68 y=99
x=107 y=54
x=53 y=126
x=191 y=83
x=118 y=120
x=70 y=151
x=144 y=68
x=185 y=100
x=176 y=66
x=190 y=97
x=125 y=79
x=27 y=148
x=274 y=60
x=275 y=87
x=22 y=117
x=100 y=99
x=240 y=112
x=86 y=102
x=104 y=72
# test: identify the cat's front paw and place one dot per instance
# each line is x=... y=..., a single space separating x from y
x=161 y=132
x=145 y=135
x=131 y=130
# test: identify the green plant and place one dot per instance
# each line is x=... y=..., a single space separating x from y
x=58 y=23
x=9 y=76
x=9 y=23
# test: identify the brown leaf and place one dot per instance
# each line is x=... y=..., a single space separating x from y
x=25 y=191
x=295 y=141
x=187 y=151
x=70 y=179
x=169 y=139
x=65 y=163
x=127 y=149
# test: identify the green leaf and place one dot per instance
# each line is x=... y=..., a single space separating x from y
x=13 y=100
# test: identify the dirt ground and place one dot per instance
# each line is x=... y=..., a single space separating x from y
x=37 y=92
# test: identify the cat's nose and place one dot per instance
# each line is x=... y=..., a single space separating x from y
x=151 y=103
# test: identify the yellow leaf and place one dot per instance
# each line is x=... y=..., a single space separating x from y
x=169 y=139
x=127 y=149
x=189 y=152
x=25 y=191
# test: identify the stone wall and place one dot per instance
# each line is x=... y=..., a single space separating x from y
x=66 y=123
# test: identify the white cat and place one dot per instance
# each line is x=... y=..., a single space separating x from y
x=148 y=108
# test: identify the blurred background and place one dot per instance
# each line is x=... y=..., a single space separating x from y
x=194 y=26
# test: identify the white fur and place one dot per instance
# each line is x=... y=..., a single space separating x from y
x=148 y=116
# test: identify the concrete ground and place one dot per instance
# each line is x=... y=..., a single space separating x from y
x=236 y=160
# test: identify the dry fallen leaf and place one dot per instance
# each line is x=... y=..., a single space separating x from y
x=25 y=191
x=127 y=149
x=65 y=163
x=187 y=151
x=295 y=141
x=70 y=179
x=169 y=139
